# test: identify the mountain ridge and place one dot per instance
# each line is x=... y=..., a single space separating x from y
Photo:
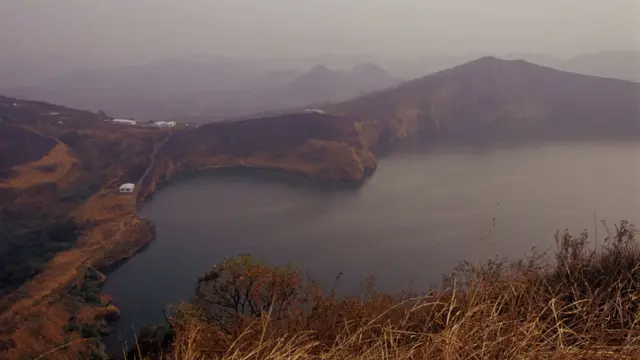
x=615 y=64
x=493 y=93
x=208 y=88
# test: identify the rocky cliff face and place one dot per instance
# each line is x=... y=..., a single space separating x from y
x=319 y=146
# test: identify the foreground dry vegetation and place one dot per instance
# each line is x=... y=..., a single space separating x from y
x=584 y=306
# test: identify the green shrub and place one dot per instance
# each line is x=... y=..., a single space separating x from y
x=88 y=331
x=89 y=290
x=92 y=275
x=79 y=194
x=25 y=250
x=71 y=327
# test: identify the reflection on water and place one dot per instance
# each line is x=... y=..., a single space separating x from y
x=415 y=219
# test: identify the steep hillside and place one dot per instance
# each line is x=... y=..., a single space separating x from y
x=61 y=217
x=38 y=112
x=319 y=146
x=490 y=97
x=32 y=147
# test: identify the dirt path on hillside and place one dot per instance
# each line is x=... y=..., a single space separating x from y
x=142 y=182
x=155 y=153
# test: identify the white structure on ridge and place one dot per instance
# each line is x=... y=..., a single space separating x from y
x=164 y=124
x=314 y=111
x=124 y=121
x=127 y=188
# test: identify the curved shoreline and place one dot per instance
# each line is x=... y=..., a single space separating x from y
x=265 y=174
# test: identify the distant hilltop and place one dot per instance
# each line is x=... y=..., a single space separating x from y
x=505 y=97
x=215 y=89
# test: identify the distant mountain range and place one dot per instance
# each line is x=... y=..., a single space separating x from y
x=203 y=87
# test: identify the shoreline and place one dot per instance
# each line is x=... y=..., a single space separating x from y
x=297 y=178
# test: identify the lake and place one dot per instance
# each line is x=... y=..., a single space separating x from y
x=419 y=215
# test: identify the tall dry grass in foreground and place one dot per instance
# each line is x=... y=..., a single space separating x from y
x=585 y=306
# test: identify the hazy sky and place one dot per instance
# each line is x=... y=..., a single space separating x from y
x=116 y=32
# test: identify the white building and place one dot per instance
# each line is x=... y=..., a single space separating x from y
x=314 y=111
x=127 y=188
x=164 y=124
x=124 y=121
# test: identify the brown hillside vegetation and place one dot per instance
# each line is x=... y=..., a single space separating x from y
x=32 y=146
x=583 y=307
x=61 y=216
x=512 y=97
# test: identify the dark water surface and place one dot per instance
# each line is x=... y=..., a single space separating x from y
x=415 y=219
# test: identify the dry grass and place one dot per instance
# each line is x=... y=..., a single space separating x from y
x=61 y=161
x=585 y=306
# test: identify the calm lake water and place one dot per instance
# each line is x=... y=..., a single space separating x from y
x=415 y=219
